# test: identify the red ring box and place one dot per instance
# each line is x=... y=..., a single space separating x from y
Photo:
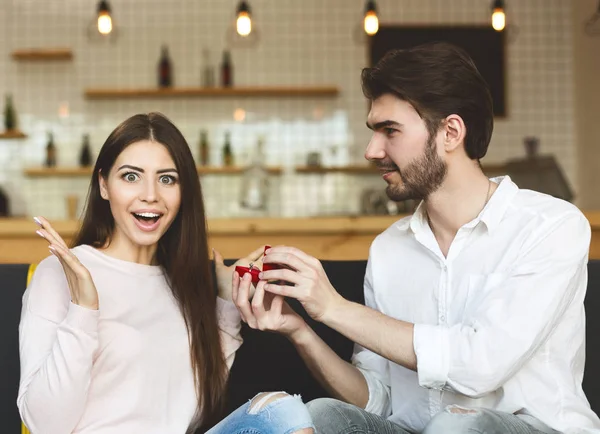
x=255 y=271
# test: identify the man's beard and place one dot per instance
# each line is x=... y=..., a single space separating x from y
x=420 y=178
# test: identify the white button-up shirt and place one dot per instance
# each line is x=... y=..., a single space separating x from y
x=499 y=322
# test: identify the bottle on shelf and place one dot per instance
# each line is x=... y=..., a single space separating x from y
x=208 y=71
x=204 y=148
x=226 y=70
x=165 y=69
x=85 y=155
x=50 y=152
x=227 y=151
x=255 y=181
x=10 y=114
x=4 y=204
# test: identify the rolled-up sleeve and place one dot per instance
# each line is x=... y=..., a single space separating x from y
x=373 y=367
x=510 y=317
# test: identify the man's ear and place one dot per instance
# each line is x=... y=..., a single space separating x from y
x=454 y=132
x=103 y=187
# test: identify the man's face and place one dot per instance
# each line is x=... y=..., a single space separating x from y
x=403 y=150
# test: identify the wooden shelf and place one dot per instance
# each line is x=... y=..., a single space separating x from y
x=12 y=134
x=216 y=170
x=302 y=91
x=491 y=169
x=72 y=172
x=43 y=54
x=350 y=170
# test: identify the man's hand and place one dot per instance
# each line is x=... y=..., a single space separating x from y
x=225 y=274
x=311 y=286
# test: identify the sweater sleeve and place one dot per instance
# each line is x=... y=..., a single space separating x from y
x=230 y=325
x=57 y=342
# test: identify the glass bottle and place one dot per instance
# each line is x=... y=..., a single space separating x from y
x=50 y=152
x=165 y=69
x=208 y=73
x=226 y=70
x=227 y=151
x=10 y=115
x=85 y=156
x=204 y=148
x=255 y=181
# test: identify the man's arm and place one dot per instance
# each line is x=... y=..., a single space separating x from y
x=383 y=335
x=477 y=356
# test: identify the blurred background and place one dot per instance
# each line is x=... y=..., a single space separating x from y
x=268 y=96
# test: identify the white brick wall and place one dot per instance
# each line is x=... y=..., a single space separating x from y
x=301 y=43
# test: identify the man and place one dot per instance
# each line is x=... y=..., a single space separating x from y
x=474 y=318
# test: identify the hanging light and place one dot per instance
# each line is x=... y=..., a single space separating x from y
x=243 y=22
x=371 y=22
x=105 y=25
x=498 y=15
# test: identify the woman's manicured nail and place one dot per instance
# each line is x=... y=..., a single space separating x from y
x=37 y=221
x=40 y=234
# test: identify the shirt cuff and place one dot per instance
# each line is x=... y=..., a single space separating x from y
x=227 y=312
x=431 y=345
x=379 y=398
x=82 y=318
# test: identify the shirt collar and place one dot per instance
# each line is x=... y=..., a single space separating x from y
x=491 y=215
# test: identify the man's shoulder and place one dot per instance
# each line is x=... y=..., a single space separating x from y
x=529 y=204
x=543 y=214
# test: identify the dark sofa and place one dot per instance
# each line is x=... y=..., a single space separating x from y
x=266 y=361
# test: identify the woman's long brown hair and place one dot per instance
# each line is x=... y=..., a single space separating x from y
x=182 y=253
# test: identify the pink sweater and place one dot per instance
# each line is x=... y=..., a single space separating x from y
x=124 y=368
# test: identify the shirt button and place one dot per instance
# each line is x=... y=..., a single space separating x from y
x=443 y=318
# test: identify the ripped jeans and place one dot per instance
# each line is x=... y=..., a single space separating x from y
x=285 y=415
x=335 y=417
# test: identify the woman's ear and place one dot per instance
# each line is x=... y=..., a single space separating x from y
x=103 y=188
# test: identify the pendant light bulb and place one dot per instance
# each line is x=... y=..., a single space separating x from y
x=104 y=19
x=243 y=22
x=498 y=16
x=371 y=22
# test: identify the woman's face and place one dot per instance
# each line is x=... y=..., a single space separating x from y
x=144 y=193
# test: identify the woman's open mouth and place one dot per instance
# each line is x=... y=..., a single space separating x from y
x=147 y=221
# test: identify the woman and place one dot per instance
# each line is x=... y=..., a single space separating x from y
x=123 y=333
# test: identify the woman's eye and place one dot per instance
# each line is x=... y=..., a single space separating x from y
x=130 y=177
x=167 y=179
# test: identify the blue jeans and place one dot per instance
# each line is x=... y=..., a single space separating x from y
x=284 y=416
x=335 y=417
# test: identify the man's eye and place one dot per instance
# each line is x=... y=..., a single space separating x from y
x=389 y=131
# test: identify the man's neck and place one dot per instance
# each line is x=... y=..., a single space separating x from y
x=460 y=199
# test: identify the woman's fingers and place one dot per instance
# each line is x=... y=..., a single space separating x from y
x=235 y=284
x=243 y=300
x=277 y=304
x=45 y=225
x=258 y=308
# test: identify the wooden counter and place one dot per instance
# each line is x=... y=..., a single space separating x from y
x=323 y=237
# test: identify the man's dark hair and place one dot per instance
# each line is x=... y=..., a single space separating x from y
x=438 y=79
